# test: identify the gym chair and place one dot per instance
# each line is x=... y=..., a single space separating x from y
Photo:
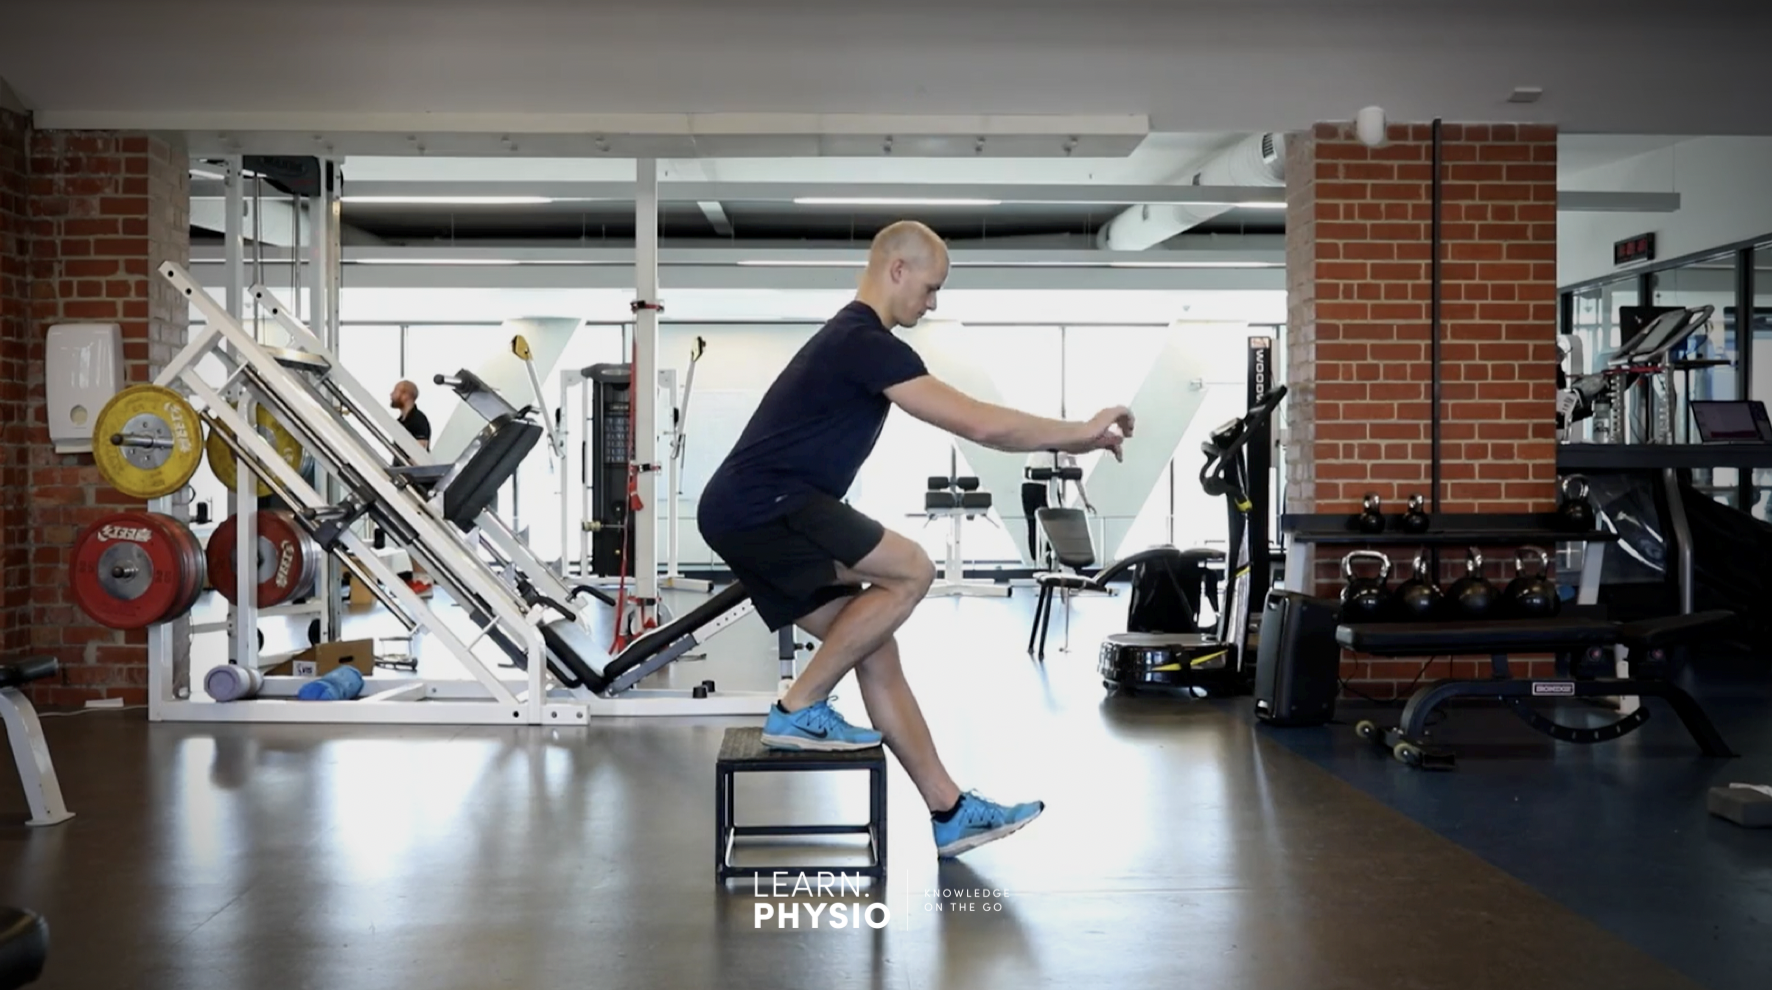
x=43 y=793
x=24 y=946
x=1067 y=533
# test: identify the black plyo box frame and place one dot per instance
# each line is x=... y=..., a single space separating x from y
x=742 y=751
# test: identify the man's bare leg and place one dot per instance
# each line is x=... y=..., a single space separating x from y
x=893 y=710
x=898 y=574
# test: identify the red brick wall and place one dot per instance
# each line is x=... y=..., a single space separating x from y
x=1359 y=254
x=15 y=332
x=105 y=210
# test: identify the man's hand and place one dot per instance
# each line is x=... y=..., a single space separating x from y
x=1105 y=431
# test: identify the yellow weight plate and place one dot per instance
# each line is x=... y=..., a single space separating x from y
x=221 y=456
x=147 y=441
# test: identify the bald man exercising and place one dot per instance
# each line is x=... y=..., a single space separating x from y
x=773 y=511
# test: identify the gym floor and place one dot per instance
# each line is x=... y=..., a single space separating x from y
x=1181 y=842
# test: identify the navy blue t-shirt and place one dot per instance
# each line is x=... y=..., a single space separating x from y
x=815 y=426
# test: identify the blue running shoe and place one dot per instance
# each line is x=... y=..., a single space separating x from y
x=818 y=727
x=979 y=821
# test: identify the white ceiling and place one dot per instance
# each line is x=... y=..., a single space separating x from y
x=517 y=67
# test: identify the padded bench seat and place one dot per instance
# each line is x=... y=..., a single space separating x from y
x=1487 y=637
x=1554 y=635
x=24 y=945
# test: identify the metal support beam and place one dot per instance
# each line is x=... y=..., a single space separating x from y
x=930 y=194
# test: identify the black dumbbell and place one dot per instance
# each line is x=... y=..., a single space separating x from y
x=1532 y=594
x=1365 y=599
x=1472 y=596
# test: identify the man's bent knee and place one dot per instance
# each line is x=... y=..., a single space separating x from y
x=897 y=563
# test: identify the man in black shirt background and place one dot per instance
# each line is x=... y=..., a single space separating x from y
x=405 y=401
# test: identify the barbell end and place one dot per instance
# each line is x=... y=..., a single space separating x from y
x=141 y=440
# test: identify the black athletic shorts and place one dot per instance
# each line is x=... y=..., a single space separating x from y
x=790 y=565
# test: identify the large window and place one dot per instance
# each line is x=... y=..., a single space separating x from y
x=1185 y=379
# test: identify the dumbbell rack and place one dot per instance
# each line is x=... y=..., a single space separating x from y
x=305 y=389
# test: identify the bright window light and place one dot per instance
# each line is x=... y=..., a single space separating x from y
x=434 y=261
x=889 y=201
x=451 y=200
x=800 y=263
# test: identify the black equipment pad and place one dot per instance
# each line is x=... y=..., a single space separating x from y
x=24 y=945
x=1485 y=638
x=487 y=469
x=16 y=673
x=666 y=635
x=1671 y=628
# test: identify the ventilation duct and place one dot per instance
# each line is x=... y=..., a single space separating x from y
x=1258 y=160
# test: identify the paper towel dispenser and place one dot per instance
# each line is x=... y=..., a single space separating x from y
x=83 y=369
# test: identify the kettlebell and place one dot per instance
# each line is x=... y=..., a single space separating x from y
x=1472 y=596
x=1416 y=520
x=1365 y=599
x=1419 y=599
x=1532 y=594
x=1575 y=514
x=1371 y=518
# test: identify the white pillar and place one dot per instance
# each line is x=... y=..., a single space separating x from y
x=646 y=303
x=323 y=225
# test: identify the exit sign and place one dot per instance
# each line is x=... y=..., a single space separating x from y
x=1631 y=249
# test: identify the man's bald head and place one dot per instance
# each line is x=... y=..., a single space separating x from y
x=907 y=264
x=404 y=396
x=907 y=240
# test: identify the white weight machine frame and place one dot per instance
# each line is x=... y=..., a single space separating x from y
x=302 y=390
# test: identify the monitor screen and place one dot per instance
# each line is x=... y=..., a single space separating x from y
x=1725 y=421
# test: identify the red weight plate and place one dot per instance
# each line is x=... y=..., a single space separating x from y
x=291 y=570
x=284 y=568
x=191 y=560
x=126 y=570
x=174 y=532
x=219 y=556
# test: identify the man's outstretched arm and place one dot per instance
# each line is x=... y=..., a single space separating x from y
x=935 y=402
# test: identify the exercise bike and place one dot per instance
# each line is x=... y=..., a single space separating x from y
x=1220 y=662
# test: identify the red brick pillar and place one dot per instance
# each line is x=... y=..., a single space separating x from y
x=105 y=209
x=1359 y=259
x=15 y=335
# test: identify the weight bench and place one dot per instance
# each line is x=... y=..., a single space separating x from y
x=24 y=947
x=29 y=749
x=1583 y=645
